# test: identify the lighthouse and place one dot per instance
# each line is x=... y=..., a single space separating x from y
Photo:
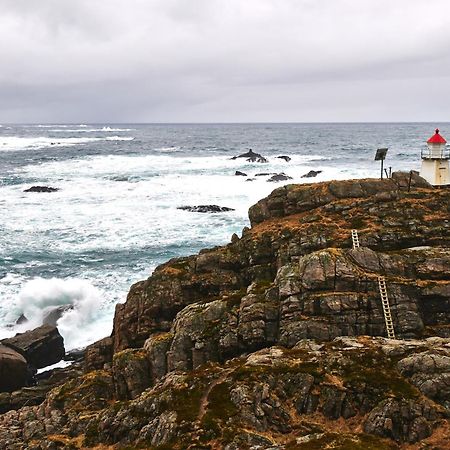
x=435 y=167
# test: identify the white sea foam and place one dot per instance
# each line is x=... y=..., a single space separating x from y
x=90 y=130
x=8 y=143
x=78 y=325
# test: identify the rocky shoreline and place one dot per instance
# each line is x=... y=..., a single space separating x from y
x=276 y=340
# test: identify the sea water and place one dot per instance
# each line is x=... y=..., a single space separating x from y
x=115 y=217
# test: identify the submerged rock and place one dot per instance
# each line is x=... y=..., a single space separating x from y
x=53 y=315
x=311 y=174
x=41 y=189
x=251 y=156
x=22 y=319
x=206 y=208
x=239 y=173
x=285 y=157
x=279 y=177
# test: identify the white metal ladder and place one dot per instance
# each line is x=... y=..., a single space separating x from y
x=386 y=308
x=355 y=238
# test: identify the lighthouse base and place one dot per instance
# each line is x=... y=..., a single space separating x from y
x=436 y=171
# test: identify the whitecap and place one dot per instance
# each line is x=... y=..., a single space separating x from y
x=14 y=143
x=39 y=296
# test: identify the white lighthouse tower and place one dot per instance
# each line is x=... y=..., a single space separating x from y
x=435 y=167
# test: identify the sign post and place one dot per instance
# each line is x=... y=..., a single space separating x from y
x=381 y=156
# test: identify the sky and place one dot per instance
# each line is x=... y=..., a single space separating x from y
x=224 y=60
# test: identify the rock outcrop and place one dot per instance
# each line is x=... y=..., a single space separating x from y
x=13 y=369
x=275 y=341
x=46 y=189
x=206 y=208
x=41 y=347
x=252 y=156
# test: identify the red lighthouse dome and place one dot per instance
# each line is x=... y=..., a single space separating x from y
x=436 y=138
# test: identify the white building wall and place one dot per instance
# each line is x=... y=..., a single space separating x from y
x=436 y=171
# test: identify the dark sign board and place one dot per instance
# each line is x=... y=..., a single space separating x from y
x=381 y=154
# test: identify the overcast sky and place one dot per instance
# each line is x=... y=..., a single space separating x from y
x=224 y=60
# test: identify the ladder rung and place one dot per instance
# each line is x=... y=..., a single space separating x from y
x=386 y=308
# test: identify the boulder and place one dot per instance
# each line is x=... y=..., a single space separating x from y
x=131 y=373
x=13 y=369
x=98 y=354
x=54 y=314
x=206 y=208
x=311 y=174
x=239 y=173
x=251 y=156
x=279 y=177
x=286 y=158
x=41 y=347
x=41 y=189
x=22 y=319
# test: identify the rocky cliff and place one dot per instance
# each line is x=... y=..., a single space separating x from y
x=276 y=340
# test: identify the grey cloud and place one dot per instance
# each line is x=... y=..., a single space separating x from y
x=223 y=60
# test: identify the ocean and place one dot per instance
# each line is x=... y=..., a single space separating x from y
x=115 y=217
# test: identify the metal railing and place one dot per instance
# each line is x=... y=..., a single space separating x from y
x=433 y=154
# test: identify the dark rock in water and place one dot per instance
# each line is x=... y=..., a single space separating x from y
x=265 y=174
x=206 y=208
x=77 y=355
x=250 y=179
x=239 y=173
x=41 y=347
x=286 y=158
x=52 y=317
x=41 y=189
x=251 y=156
x=13 y=369
x=22 y=319
x=311 y=174
x=279 y=177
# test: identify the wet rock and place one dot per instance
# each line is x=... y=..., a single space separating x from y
x=13 y=369
x=239 y=173
x=22 y=319
x=206 y=208
x=52 y=316
x=41 y=347
x=279 y=177
x=265 y=174
x=251 y=156
x=311 y=174
x=41 y=189
x=286 y=158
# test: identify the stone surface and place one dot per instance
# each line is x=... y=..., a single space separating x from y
x=279 y=177
x=311 y=174
x=206 y=208
x=41 y=347
x=251 y=156
x=13 y=369
x=41 y=189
